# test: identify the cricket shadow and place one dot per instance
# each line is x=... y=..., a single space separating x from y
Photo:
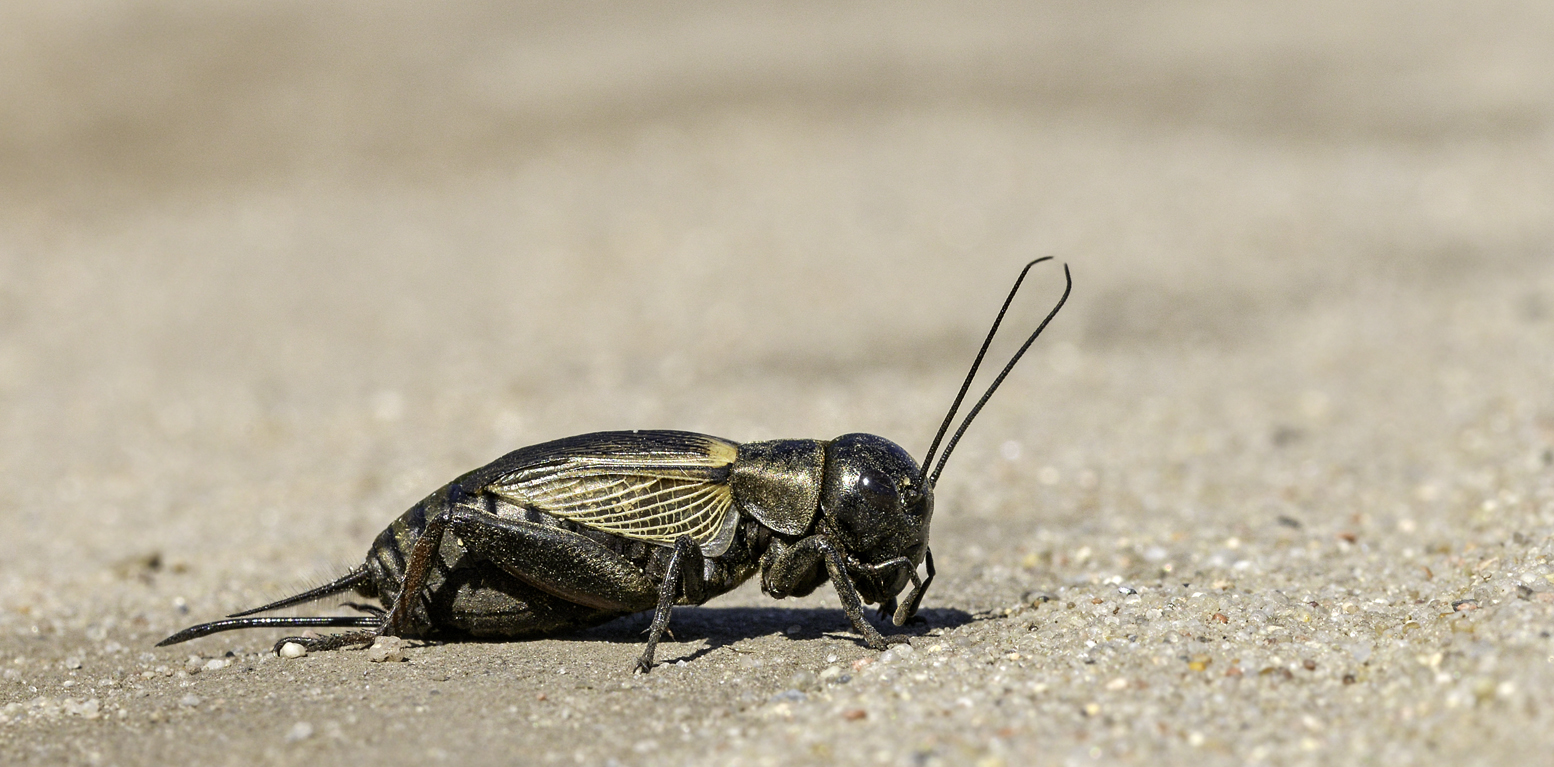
x=721 y=627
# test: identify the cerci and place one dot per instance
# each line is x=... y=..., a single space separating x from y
x=576 y=532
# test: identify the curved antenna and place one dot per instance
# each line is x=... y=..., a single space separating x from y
x=933 y=478
x=972 y=373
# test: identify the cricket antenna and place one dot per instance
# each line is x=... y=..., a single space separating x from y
x=929 y=480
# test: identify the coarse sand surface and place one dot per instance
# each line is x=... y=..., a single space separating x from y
x=1276 y=487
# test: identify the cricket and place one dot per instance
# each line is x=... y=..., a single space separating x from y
x=576 y=532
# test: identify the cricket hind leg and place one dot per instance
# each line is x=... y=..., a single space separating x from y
x=561 y=563
x=585 y=577
x=581 y=570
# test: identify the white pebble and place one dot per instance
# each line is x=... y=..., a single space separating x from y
x=386 y=650
x=299 y=731
x=293 y=650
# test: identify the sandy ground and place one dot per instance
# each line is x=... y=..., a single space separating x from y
x=1277 y=487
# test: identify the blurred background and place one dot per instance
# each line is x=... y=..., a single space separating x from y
x=270 y=271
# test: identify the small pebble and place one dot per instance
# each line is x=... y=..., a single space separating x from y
x=386 y=650
x=299 y=731
x=189 y=701
x=853 y=715
x=293 y=650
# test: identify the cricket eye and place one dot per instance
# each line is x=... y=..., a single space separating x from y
x=877 y=486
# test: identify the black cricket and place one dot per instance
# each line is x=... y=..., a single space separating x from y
x=576 y=532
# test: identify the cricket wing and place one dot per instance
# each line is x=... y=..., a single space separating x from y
x=652 y=486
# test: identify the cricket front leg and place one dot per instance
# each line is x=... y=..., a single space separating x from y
x=786 y=568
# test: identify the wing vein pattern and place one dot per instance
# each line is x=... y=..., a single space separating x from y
x=648 y=486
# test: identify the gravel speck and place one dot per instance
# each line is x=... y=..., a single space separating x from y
x=299 y=731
